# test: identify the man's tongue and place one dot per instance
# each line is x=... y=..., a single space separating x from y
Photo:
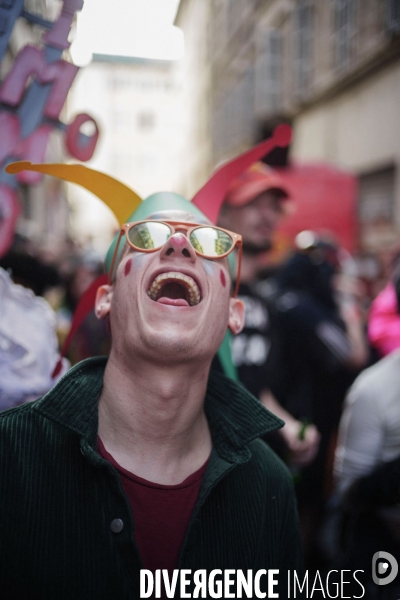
x=173 y=301
x=173 y=294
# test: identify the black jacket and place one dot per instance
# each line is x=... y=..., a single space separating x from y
x=59 y=498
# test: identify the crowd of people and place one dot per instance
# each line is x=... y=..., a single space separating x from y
x=308 y=351
x=312 y=355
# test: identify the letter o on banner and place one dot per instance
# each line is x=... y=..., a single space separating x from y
x=78 y=144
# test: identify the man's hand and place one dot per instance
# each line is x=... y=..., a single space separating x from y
x=301 y=439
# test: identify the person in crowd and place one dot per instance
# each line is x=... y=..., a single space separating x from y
x=30 y=272
x=367 y=467
x=145 y=460
x=28 y=340
x=295 y=353
x=324 y=349
x=92 y=337
x=254 y=206
x=28 y=344
x=384 y=317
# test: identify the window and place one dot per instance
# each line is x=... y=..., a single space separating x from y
x=3 y=25
x=376 y=196
x=217 y=29
x=268 y=74
x=376 y=209
x=345 y=13
x=393 y=16
x=304 y=41
x=8 y=15
x=7 y=4
x=121 y=119
x=239 y=109
x=222 y=122
x=235 y=12
x=146 y=164
x=145 y=121
x=246 y=105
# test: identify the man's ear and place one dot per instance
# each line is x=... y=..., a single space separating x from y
x=236 y=315
x=102 y=303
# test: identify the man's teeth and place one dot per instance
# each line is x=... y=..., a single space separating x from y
x=188 y=282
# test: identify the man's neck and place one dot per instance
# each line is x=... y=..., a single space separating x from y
x=152 y=421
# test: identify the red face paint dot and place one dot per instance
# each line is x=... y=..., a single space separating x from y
x=128 y=266
x=222 y=277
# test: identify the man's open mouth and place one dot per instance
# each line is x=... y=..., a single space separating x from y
x=175 y=289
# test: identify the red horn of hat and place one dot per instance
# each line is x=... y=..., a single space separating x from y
x=210 y=197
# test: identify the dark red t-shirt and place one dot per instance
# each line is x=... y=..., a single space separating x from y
x=161 y=513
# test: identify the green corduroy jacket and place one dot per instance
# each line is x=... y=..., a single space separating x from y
x=59 y=499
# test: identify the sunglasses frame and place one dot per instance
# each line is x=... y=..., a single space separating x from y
x=188 y=228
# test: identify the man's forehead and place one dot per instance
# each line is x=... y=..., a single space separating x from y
x=177 y=215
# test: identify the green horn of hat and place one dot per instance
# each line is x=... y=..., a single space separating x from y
x=150 y=206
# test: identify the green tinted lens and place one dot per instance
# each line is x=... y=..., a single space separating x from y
x=149 y=235
x=210 y=241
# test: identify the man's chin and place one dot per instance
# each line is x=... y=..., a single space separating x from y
x=171 y=346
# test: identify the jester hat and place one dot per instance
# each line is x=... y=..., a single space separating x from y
x=123 y=201
x=151 y=205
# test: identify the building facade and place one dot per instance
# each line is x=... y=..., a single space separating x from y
x=194 y=72
x=137 y=104
x=329 y=67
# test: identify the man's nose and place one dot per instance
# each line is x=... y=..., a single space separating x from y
x=178 y=246
x=269 y=215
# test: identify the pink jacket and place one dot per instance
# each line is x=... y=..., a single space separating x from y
x=384 y=321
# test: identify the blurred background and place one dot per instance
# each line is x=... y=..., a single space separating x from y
x=159 y=94
x=178 y=87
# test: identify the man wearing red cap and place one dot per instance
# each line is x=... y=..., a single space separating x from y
x=257 y=197
x=254 y=206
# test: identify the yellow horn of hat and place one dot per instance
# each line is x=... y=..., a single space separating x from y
x=117 y=196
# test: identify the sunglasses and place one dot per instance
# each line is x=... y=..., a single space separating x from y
x=207 y=241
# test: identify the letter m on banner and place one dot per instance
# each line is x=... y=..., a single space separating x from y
x=32 y=96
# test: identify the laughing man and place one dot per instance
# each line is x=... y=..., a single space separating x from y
x=144 y=460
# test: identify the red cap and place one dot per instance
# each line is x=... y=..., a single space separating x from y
x=253 y=182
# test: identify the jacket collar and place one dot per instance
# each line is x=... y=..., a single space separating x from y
x=234 y=415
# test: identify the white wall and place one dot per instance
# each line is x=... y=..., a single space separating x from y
x=358 y=130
